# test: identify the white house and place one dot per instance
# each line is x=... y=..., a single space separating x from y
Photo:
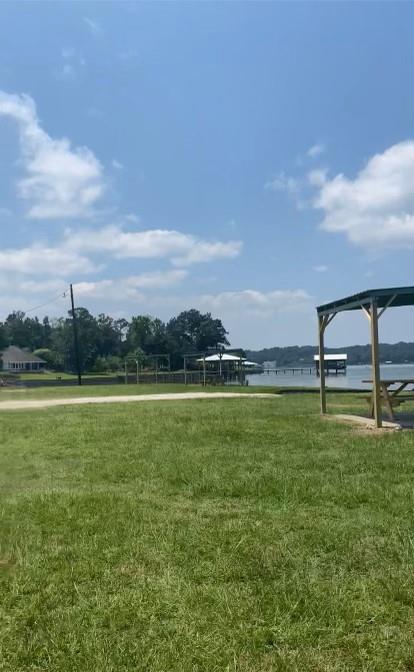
x=18 y=360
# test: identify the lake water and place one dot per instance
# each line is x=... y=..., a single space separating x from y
x=353 y=378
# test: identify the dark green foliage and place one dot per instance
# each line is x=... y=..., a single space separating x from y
x=104 y=341
x=191 y=331
x=25 y=332
x=295 y=355
x=51 y=357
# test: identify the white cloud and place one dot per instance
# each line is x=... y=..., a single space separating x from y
x=156 y=279
x=317 y=177
x=117 y=165
x=283 y=182
x=72 y=64
x=19 y=283
x=320 y=269
x=255 y=302
x=61 y=181
x=40 y=286
x=43 y=260
x=315 y=150
x=199 y=251
x=18 y=293
x=69 y=257
x=93 y=26
x=183 y=249
x=377 y=207
x=96 y=289
x=130 y=287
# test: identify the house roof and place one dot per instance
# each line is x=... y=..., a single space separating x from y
x=390 y=296
x=15 y=354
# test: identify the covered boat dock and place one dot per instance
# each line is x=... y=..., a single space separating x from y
x=373 y=303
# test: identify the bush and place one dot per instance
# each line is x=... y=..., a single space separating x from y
x=53 y=359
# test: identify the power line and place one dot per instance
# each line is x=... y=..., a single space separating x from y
x=62 y=295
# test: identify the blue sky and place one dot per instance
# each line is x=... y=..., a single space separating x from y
x=250 y=159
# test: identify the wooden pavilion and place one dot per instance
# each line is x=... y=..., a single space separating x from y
x=373 y=303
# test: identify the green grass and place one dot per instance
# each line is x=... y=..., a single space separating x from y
x=54 y=375
x=220 y=535
x=8 y=393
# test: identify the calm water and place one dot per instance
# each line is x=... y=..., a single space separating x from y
x=352 y=379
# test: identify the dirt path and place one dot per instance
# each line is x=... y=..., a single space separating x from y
x=20 y=404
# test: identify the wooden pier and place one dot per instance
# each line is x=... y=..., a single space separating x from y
x=301 y=370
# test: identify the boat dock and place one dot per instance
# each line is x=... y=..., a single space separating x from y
x=301 y=370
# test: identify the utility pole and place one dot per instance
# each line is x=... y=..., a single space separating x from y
x=75 y=337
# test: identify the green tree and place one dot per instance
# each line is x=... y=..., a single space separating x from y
x=88 y=339
x=192 y=331
x=3 y=336
x=109 y=335
x=47 y=333
x=16 y=330
x=148 y=334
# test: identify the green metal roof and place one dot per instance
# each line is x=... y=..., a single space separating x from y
x=391 y=296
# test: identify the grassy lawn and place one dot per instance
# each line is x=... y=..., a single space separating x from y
x=54 y=375
x=217 y=535
x=7 y=394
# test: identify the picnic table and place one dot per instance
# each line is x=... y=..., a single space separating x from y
x=391 y=398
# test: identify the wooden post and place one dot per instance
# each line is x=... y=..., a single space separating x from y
x=204 y=370
x=126 y=373
x=376 y=390
x=321 y=331
x=185 y=370
x=137 y=371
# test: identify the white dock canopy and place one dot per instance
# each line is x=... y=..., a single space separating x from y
x=332 y=358
x=221 y=358
x=227 y=358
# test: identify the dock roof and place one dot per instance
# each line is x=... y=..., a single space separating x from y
x=341 y=357
x=390 y=296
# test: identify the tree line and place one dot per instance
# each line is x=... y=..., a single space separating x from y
x=105 y=342
x=398 y=353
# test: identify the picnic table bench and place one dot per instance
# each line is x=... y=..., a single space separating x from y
x=391 y=398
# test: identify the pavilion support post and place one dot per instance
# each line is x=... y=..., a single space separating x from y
x=375 y=364
x=321 y=333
